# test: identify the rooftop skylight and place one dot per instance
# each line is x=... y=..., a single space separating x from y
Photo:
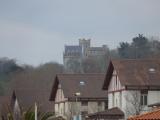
x=82 y=83
x=152 y=70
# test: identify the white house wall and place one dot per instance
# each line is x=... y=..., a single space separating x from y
x=16 y=110
x=93 y=107
x=115 y=90
x=60 y=95
x=65 y=108
x=59 y=101
x=115 y=84
x=153 y=97
x=115 y=99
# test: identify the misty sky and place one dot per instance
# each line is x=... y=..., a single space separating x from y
x=35 y=31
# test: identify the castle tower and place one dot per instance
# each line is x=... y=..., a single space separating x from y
x=84 y=43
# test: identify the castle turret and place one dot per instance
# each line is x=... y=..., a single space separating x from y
x=84 y=43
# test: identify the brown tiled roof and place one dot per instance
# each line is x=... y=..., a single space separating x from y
x=33 y=87
x=154 y=115
x=70 y=83
x=113 y=113
x=4 y=103
x=28 y=97
x=139 y=72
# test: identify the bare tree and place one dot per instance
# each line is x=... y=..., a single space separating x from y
x=73 y=109
x=133 y=102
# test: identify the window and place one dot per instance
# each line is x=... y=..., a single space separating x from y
x=84 y=103
x=144 y=98
x=99 y=103
x=116 y=82
x=84 y=113
x=120 y=100
x=112 y=99
x=61 y=94
x=106 y=105
x=116 y=102
x=61 y=111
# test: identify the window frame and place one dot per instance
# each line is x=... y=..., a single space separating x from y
x=144 y=98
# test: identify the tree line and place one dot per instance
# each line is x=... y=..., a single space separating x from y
x=140 y=47
x=12 y=74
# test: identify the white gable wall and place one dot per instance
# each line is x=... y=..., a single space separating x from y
x=16 y=110
x=60 y=101
x=153 y=97
x=115 y=92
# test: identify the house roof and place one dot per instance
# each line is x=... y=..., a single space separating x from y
x=141 y=73
x=91 y=86
x=4 y=102
x=31 y=87
x=73 y=49
x=153 y=115
x=113 y=113
x=28 y=97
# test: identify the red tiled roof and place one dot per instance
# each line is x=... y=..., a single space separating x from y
x=154 y=115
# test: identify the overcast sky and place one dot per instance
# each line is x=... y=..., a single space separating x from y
x=35 y=31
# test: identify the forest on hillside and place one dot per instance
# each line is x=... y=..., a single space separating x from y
x=14 y=76
x=42 y=76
